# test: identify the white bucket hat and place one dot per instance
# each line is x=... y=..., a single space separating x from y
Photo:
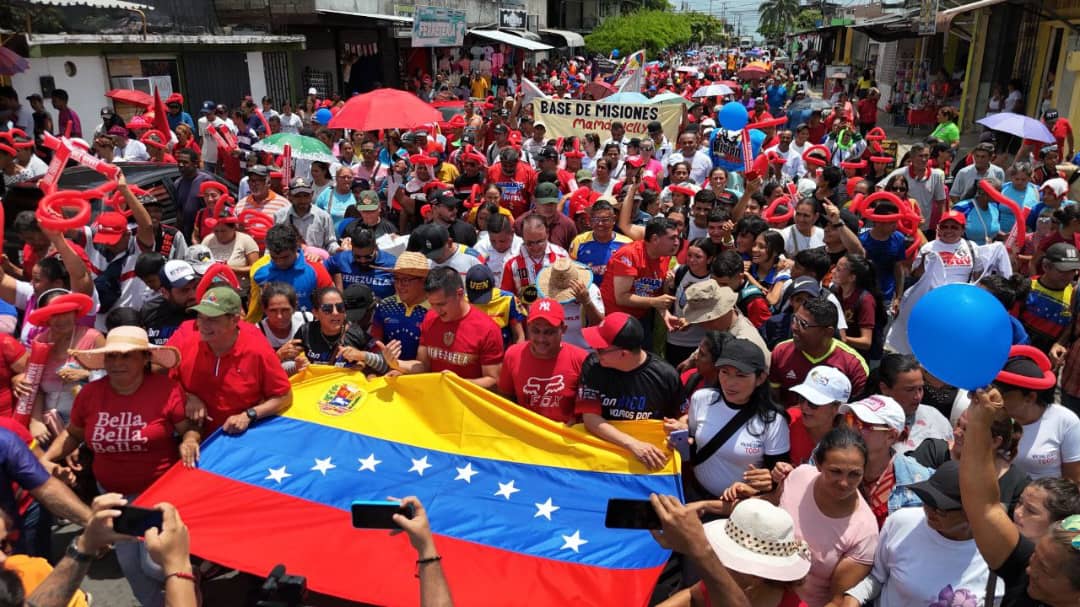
x=759 y=539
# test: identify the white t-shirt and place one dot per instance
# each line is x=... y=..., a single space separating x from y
x=459 y=261
x=794 y=241
x=956 y=258
x=929 y=423
x=1047 y=443
x=290 y=123
x=299 y=319
x=691 y=336
x=903 y=575
x=494 y=259
x=572 y=310
x=749 y=445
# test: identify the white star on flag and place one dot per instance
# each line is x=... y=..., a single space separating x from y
x=419 y=465
x=466 y=473
x=507 y=489
x=573 y=542
x=277 y=474
x=322 y=465
x=369 y=463
x=545 y=509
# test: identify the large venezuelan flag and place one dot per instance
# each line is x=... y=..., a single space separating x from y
x=516 y=501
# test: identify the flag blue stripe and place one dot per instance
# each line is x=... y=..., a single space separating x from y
x=470 y=511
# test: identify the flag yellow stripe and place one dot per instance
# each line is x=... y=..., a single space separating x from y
x=445 y=413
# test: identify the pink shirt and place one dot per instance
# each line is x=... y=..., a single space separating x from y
x=830 y=539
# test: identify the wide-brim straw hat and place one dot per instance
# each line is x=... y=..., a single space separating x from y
x=411 y=263
x=554 y=280
x=127 y=339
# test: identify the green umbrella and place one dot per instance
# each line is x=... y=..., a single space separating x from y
x=303 y=148
x=666 y=98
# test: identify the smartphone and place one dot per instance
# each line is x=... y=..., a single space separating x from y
x=680 y=441
x=136 y=521
x=378 y=514
x=631 y=514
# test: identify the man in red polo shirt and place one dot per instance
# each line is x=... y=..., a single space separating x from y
x=812 y=343
x=634 y=279
x=234 y=376
x=454 y=335
x=541 y=374
x=516 y=181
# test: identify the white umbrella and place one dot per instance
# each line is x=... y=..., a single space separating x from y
x=713 y=90
x=665 y=98
x=689 y=69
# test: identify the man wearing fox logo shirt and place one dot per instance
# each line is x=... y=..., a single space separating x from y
x=620 y=381
x=541 y=374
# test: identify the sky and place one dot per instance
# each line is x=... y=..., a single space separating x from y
x=745 y=9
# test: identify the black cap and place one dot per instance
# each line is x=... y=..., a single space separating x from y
x=501 y=128
x=445 y=198
x=358 y=302
x=479 y=284
x=429 y=239
x=258 y=169
x=942 y=490
x=549 y=153
x=804 y=284
x=742 y=354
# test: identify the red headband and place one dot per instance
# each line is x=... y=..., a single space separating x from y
x=881 y=159
x=861 y=164
x=206 y=186
x=767 y=213
x=1048 y=379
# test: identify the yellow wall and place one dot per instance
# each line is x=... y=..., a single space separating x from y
x=1066 y=102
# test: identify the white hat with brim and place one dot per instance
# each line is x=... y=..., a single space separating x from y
x=127 y=339
x=759 y=539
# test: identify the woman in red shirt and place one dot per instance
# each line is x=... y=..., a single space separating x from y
x=128 y=419
x=868 y=111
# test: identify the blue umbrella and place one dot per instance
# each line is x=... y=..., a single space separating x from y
x=626 y=97
x=1018 y=125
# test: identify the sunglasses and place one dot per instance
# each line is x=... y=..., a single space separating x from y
x=802 y=324
x=331 y=308
x=858 y=424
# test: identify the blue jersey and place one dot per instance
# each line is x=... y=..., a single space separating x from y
x=884 y=255
x=305 y=277
x=381 y=282
x=593 y=254
x=394 y=320
x=504 y=310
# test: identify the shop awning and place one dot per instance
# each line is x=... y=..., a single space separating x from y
x=573 y=39
x=945 y=17
x=511 y=39
x=128 y=6
x=887 y=28
x=375 y=16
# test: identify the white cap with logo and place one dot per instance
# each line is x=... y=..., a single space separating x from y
x=824 y=385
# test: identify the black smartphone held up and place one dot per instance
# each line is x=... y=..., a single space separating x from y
x=135 y=521
x=378 y=514
x=631 y=514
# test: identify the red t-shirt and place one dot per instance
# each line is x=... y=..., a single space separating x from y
x=10 y=352
x=29 y=258
x=1060 y=131
x=648 y=274
x=517 y=191
x=245 y=376
x=802 y=446
x=868 y=111
x=131 y=435
x=462 y=346
x=790 y=366
x=544 y=386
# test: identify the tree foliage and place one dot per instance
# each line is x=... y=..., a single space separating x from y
x=654 y=31
x=777 y=17
x=807 y=19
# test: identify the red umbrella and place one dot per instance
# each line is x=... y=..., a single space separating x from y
x=730 y=84
x=385 y=109
x=598 y=89
x=131 y=96
x=753 y=70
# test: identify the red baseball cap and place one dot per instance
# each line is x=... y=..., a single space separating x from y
x=110 y=228
x=547 y=309
x=618 y=329
x=956 y=216
x=635 y=161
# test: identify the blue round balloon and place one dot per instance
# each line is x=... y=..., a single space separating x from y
x=323 y=116
x=615 y=53
x=961 y=334
x=733 y=116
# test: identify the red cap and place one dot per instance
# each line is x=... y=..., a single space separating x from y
x=422 y=159
x=110 y=228
x=618 y=329
x=174 y=98
x=954 y=215
x=547 y=309
x=635 y=161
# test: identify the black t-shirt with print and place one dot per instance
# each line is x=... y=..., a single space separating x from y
x=320 y=349
x=651 y=391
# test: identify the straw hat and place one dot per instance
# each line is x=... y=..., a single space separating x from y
x=759 y=539
x=554 y=280
x=411 y=263
x=127 y=339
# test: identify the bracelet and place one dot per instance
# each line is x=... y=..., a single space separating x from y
x=433 y=559
x=183 y=575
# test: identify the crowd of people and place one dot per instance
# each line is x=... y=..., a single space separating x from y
x=758 y=315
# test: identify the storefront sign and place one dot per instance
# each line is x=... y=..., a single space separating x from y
x=404 y=10
x=571 y=117
x=927 y=19
x=438 y=26
x=512 y=18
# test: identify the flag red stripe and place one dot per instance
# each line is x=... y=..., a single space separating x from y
x=252 y=529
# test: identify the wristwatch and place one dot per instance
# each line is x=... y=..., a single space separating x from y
x=252 y=414
x=74 y=554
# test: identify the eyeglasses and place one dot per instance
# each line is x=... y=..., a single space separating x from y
x=331 y=308
x=802 y=324
x=951 y=225
x=858 y=424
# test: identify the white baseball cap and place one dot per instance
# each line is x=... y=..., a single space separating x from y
x=312 y=91
x=824 y=385
x=878 y=409
x=1057 y=185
